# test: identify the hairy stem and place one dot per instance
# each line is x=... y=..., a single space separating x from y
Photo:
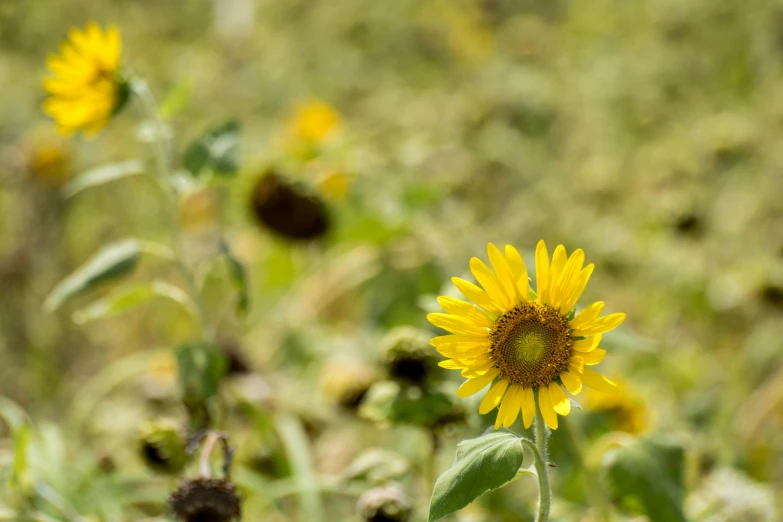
x=542 y=470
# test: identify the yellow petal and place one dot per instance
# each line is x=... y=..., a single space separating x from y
x=456 y=324
x=587 y=315
x=578 y=288
x=450 y=365
x=598 y=382
x=458 y=352
x=458 y=339
x=477 y=384
x=542 y=272
x=563 y=287
x=463 y=309
x=511 y=405
x=477 y=295
x=528 y=407
x=503 y=274
x=559 y=258
x=578 y=362
x=560 y=401
x=545 y=405
x=519 y=270
x=493 y=397
x=572 y=382
x=600 y=325
x=594 y=357
x=489 y=282
x=586 y=345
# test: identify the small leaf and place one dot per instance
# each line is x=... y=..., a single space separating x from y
x=648 y=475
x=482 y=464
x=129 y=297
x=238 y=276
x=201 y=368
x=217 y=150
x=102 y=175
x=20 y=429
x=112 y=262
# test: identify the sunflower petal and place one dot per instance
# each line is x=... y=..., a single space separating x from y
x=528 y=407
x=542 y=272
x=587 y=315
x=456 y=324
x=489 y=283
x=463 y=309
x=577 y=289
x=560 y=401
x=586 y=345
x=594 y=357
x=545 y=405
x=598 y=382
x=600 y=325
x=572 y=382
x=475 y=385
x=493 y=397
x=503 y=273
x=519 y=270
x=477 y=295
x=511 y=405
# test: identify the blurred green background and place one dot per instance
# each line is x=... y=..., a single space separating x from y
x=647 y=133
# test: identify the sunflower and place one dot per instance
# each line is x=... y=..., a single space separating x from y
x=86 y=89
x=525 y=344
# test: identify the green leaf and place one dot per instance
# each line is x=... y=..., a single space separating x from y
x=297 y=449
x=216 y=150
x=112 y=262
x=201 y=368
x=19 y=426
x=102 y=175
x=130 y=297
x=648 y=476
x=238 y=276
x=482 y=464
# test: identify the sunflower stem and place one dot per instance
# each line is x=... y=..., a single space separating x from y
x=165 y=182
x=541 y=434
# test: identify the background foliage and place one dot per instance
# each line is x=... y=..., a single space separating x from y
x=645 y=132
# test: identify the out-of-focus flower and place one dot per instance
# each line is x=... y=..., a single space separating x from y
x=47 y=160
x=334 y=185
x=408 y=358
x=86 y=88
x=626 y=408
x=288 y=209
x=314 y=122
x=160 y=379
x=162 y=447
x=204 y=499
x=347 y=382
x=384 y=504
x=524 y=344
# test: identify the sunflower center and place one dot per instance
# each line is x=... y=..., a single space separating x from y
x=531 y=344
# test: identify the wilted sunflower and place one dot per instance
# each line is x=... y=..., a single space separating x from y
x=522 y=341
x=86 y=88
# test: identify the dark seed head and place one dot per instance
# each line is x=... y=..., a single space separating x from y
x=206 y=500
x=162 y=448
x=289 y=211
x=384 y=504
x=409 y=359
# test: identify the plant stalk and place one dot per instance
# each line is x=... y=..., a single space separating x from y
x=541 y=434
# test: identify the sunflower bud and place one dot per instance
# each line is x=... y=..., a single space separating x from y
x=409 y=358
x=384 y=504
x=287 y=209
x=162 y=448
x=347 y=382
x=205 y=499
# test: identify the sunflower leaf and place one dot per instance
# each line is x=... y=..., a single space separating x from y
x=647 y=476
x=238 y=277
x=216 y=150
x=482 y=464
x=112 y=262
x=129 y=297
x=102 y=175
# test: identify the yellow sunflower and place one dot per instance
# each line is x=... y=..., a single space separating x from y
x=522 y=341
x=86 y=88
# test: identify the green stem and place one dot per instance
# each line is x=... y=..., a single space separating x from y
x=542 y=470
x=164 y=181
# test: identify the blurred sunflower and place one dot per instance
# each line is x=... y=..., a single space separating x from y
x=86 y=89
x=626 y=408
x=314 y=121
x=523 y=341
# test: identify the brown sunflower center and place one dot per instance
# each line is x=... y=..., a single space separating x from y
x=531 y=344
